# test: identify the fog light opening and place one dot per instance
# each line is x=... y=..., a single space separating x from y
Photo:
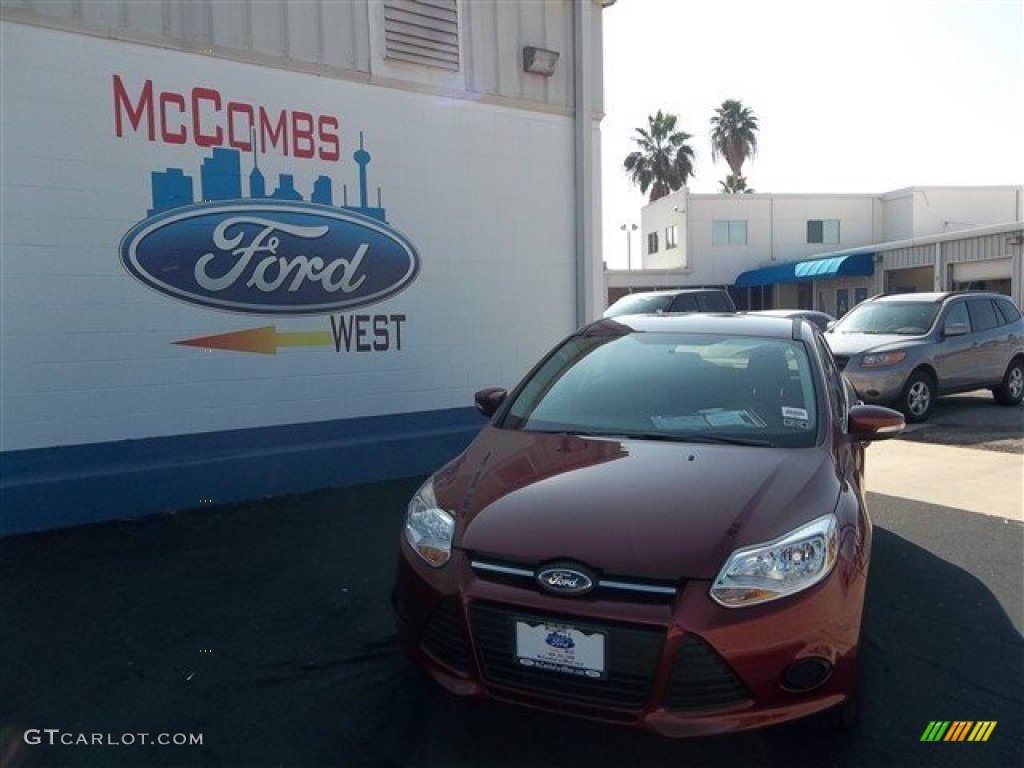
x=806 y=674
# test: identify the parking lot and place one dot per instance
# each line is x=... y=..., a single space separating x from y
x=265 y=628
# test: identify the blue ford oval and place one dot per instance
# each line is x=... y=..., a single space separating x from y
x=270 y=257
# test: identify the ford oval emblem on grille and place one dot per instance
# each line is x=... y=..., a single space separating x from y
x=565 y=580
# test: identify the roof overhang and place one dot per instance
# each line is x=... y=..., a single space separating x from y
x=850 y=265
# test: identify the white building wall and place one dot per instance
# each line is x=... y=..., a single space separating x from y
x=923 y=211
x=89 y=353
x=658 y=217
x=776 y=230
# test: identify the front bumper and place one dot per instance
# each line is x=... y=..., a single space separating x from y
x=681 y=666
x=878 y=386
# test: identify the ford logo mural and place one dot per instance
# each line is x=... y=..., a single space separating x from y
x=565 y=580
x=271 y=257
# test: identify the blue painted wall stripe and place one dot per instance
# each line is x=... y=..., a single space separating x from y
x=73 y=485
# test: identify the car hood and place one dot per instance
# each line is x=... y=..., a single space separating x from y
x=629 y=507
x=847 y=344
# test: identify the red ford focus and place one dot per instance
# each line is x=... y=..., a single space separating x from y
x=662 y=526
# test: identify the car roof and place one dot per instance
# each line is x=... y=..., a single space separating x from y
x=788 y=312
x=699 y=322
x=671 y=292
x=932 y=296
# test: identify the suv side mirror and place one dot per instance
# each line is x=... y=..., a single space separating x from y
x=873 y=422
x=955 y=329
x=489 y=400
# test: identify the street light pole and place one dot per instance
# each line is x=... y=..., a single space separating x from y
x=629 y=229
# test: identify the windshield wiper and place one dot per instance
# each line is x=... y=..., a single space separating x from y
x=724 y=440
x=664 y=437
x=692 y=438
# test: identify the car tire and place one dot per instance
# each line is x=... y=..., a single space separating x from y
x=1011 y=390
x=918 y=397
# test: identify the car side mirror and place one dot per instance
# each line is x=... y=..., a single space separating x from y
x=489 y=400
x=830 y=325
x=955 y=329
x=873 y=422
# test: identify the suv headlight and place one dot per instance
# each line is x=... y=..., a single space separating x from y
x=788 y=565
x=428 y=528
x=882 y=359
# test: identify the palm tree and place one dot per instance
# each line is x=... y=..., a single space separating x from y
x=734 y=137
x=733 y=185
x=664 y=161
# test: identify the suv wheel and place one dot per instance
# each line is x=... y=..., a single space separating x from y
x=918 y=397
x=1011 y=390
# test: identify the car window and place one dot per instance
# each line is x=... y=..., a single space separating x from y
x=958 y=315
x=1008 y=310
x=638 y=305
x=834 y=383
x=685 y=302
x=909 y=318
x=983 y=314
x=672 y=386
x=713 y=302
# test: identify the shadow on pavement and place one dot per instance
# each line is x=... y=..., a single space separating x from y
x=266 y=627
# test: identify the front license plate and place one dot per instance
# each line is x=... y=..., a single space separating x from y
x=560 y=648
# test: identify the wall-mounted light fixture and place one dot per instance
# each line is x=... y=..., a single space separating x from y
x=539 y=61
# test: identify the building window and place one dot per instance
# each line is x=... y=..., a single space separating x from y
x=729 y=232
x=422 y=32
x=652 y=242
x=823 y=231
x=671 y=235
x=842 y=301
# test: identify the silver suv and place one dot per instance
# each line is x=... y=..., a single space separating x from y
x=907 y=349
x=675 y=300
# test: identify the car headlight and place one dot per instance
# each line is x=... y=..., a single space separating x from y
x=428 y=528
x=882 y=359
x=790 y=564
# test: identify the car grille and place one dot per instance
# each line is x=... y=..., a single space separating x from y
x=632 y=654
x=444 y=638
x=521 y=574
x=702 y=680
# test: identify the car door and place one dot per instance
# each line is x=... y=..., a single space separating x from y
x=956 y=359
x=991 y=338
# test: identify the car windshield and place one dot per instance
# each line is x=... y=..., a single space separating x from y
x=907 y=318
x=666 y=386
x=638 y=305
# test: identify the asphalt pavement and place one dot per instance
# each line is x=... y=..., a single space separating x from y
x=265 y=630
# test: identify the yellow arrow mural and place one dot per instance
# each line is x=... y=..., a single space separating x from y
x=262 y=341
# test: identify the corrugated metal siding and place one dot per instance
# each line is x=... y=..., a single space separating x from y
x=422 y=32
x=324 y=33
x=981 y=248
x=977 y=248
x=480 y=39
x=913 y=256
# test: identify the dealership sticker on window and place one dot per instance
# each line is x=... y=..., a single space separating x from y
x=794 y=417
x=559 y=648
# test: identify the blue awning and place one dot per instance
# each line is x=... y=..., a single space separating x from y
x=853 y=265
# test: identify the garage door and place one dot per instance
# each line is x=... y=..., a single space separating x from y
x=973 y=271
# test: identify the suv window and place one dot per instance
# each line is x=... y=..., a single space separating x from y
x=714 y=302
x=983 y=314
x=685 y=302
x=957 y=315
x=1008 y=310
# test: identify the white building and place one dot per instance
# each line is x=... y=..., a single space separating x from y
x=251 y=248
x=830 y=251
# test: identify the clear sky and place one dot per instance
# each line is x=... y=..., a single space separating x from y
x=852 y=96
